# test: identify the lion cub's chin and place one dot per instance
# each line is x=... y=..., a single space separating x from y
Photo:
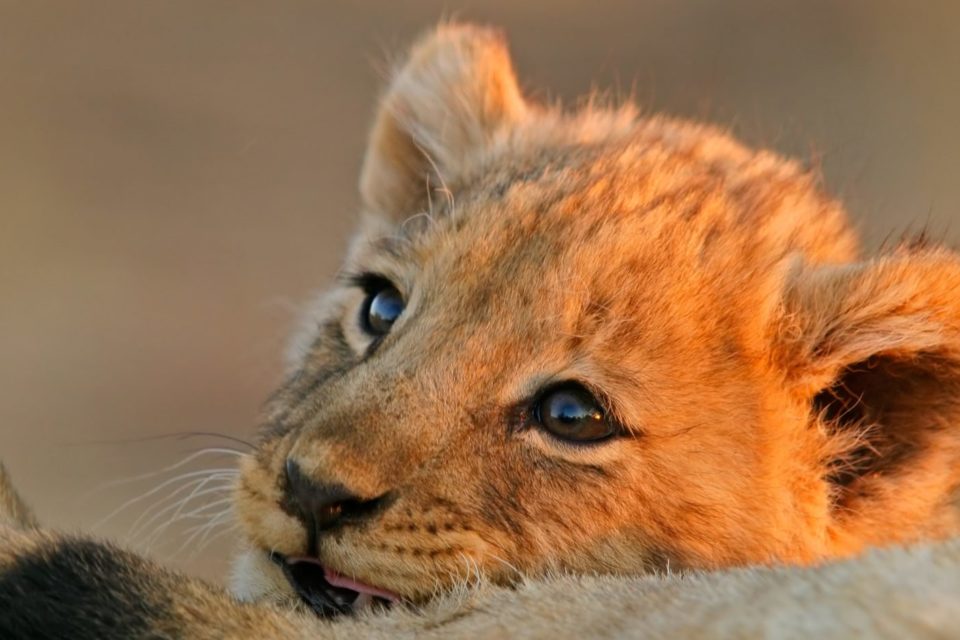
x=254 y=578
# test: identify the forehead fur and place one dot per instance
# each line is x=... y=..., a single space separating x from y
x=467 y=182
x=467 y=186
x=659 y=214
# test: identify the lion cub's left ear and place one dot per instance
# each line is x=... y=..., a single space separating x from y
x=455 y=94
x=873 y=349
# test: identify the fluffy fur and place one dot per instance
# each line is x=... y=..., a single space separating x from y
x=783 y=400
x=54 y=586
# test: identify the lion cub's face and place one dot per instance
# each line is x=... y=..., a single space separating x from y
x=578 y=342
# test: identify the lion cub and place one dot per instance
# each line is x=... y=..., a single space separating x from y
x=594 y=342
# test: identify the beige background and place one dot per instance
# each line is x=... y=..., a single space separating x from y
x=175 y=176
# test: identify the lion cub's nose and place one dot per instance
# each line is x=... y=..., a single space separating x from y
x=327 y=505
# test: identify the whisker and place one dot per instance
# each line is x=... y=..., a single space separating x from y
x=150 y=511
x=199 y=530
x=137 y=528
x=198 y=513
x=152 y=474
x=179 y=478
x=209 y=520
x=505 y=563
x=207 y=507
x=203 y=544
x=183 y=435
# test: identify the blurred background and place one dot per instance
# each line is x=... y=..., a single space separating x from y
x=177 y=176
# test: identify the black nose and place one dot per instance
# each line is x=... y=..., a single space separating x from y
x=324 y=506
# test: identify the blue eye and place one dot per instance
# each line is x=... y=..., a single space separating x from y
x=572 y=413
x=381 y=309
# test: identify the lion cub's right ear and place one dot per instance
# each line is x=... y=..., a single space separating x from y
x=873 y=350
x=456 y=93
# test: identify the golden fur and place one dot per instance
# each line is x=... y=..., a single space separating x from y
x=785 y=401
x=895 y=593
x=788 y=401
x=13 y=510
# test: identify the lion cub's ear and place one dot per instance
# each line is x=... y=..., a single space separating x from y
x=455 y=94
x=874 y=350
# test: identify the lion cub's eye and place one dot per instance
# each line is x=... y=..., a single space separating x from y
x=570 y=412
x=381 y=309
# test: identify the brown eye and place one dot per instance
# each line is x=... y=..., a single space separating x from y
x=572 y=413
x=381 y=309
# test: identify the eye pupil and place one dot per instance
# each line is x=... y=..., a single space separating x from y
x=571 y=412
x=382 y=309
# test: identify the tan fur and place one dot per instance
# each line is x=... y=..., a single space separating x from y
x=788 y=400
x=892 y=594
x=14 y=512
x=896 y=593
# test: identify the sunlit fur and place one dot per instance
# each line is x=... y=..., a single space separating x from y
x=785 y=398
x=57 y=586
x=14 y=512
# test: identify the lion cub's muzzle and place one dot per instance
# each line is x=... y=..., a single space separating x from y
x=326 y=506
x=322 y=508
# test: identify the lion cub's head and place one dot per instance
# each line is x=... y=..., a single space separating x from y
x=594 y=342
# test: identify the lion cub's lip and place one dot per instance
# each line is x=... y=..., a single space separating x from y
x=327 y=592
x=344 y=582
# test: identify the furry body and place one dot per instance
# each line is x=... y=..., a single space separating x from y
x=779 y=398
x=54 y=586
x=773 y=398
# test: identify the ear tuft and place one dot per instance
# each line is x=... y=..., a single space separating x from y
x=874 y=350
x=455 y=93
x=898 y=306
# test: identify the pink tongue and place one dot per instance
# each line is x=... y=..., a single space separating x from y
x=344 y=582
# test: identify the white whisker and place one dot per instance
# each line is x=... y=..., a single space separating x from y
x=199 y=530
x=132 y=501
x=206 y=543
x=152 y=474
x=196 y=514
x=178 y=505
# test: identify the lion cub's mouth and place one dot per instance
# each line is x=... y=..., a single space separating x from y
x=327 y=592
